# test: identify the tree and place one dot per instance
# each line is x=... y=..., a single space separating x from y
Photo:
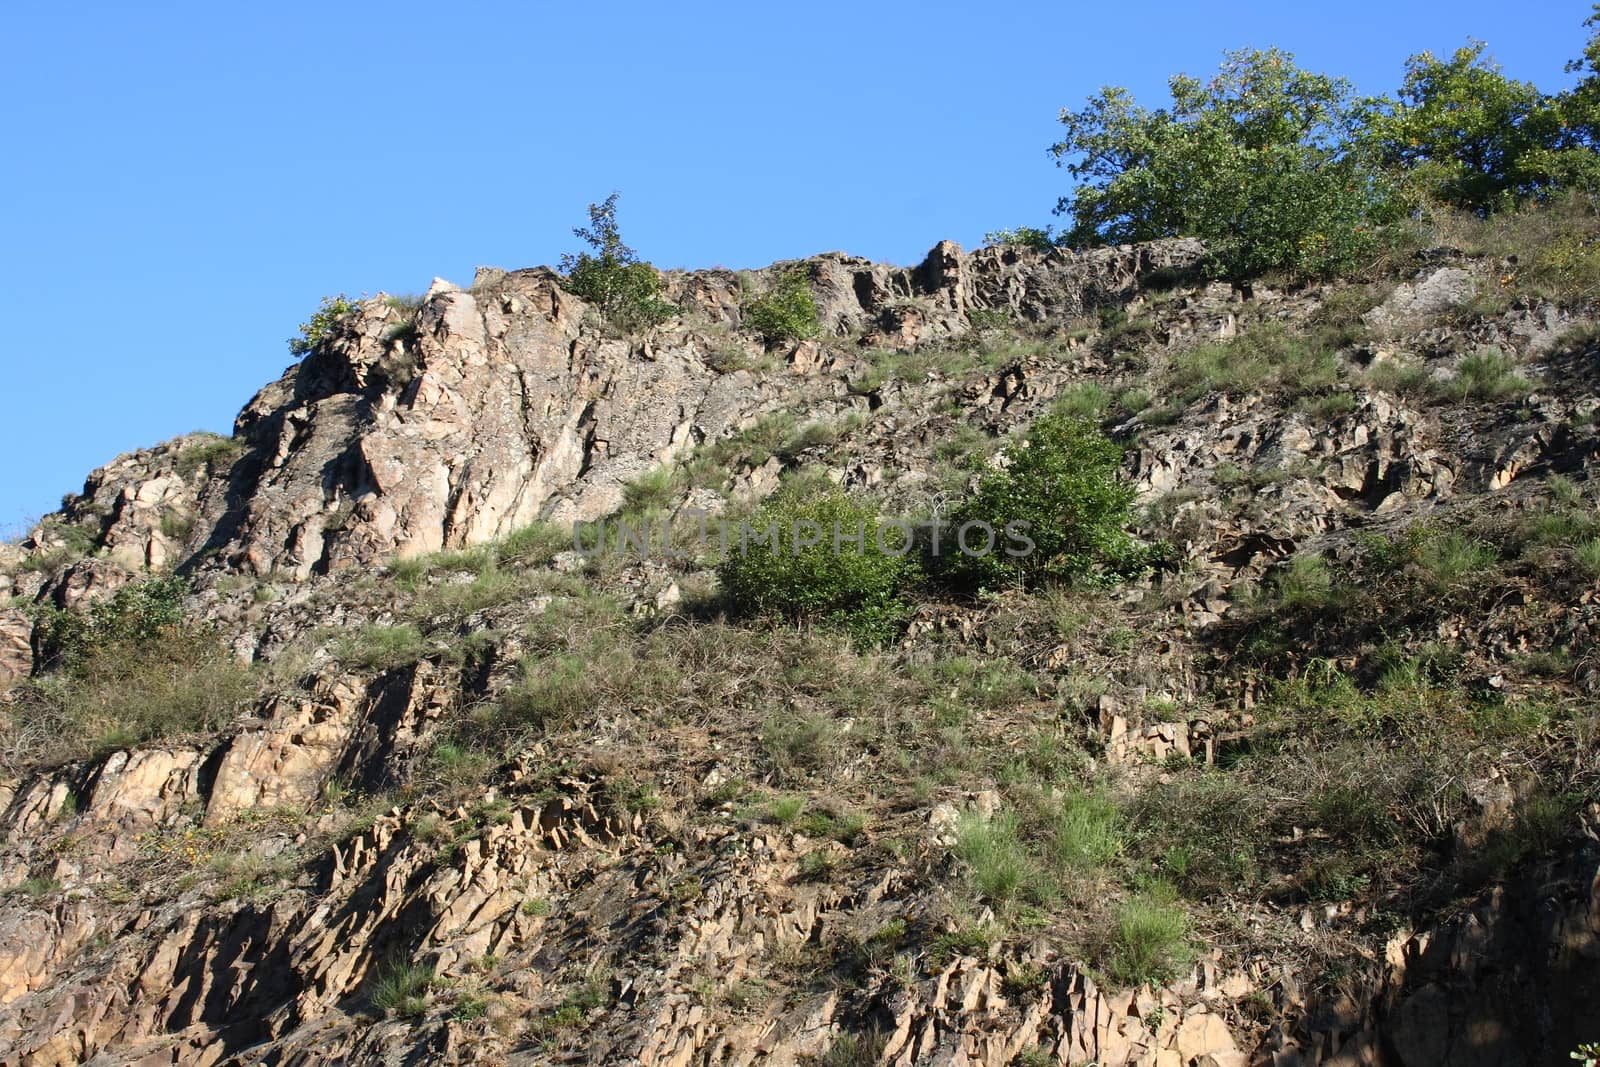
x=1466 y=135
x=1262 y=162
x=1579 y=108
x=613 y=278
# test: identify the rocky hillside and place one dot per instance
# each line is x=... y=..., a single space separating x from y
x=322 y=744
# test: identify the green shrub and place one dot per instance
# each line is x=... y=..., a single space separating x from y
x=774 y=571
x=552 y=692
x=1402 y=377
x=1467 y=135
x=987 y=320
x=491 y=587
x=853 y=1050
x=785 y=810
x=316 y=329
x=177 y=525
x=625 y=290
x=535 y=544
x=402 y=989
x=799 y=745
x=1063 y=490
x=1451 y=559
x=788 y=312
x=1267 y=359
x=1082 y=400
x=1587 y=557
x=137 y=612
x=1486 y=375
x=1134 y=399
x=1150 y=942
x=1084 y=831
x=249 y=875
x=1002 y=868
x=1306 y=584
x=1022 y=237
x=119 y=692
x=133 y=668
x=1555 y=244
x=844 y=827
x=650 y=493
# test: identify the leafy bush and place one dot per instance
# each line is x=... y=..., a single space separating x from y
x=131 y=669
x=316 y=329
x=1259 y=161
x=74 y=541
x=1064 y=483
x=614 y=279
x=136 y=613
x=787 y=313
x=799 y=559
x=1022 y=237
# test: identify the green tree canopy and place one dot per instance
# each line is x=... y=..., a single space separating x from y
x=1263 y=161
x=1468 y=136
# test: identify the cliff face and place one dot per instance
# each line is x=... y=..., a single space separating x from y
x=336 y=875
x=485 y=409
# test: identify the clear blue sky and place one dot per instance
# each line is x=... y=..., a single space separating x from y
x=181 y=182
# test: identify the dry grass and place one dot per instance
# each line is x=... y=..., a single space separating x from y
x=121 y=693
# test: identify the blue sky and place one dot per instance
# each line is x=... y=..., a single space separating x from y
x=182 y=182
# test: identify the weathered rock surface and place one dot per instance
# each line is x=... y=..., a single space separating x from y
x=495 y=406
x=16 y=646
x=207 y=901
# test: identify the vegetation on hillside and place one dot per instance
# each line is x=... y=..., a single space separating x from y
x=1280 y=168
x=787 y=313
x=319 y=326
x=625 y=289
x=1280 y=746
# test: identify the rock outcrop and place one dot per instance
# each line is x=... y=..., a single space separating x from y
x=264 y=892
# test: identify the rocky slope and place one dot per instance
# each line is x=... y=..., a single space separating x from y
x=359 y=861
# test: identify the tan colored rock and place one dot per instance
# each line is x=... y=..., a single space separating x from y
x=1202 y=1034
x=16 y=647
x=283 y=764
